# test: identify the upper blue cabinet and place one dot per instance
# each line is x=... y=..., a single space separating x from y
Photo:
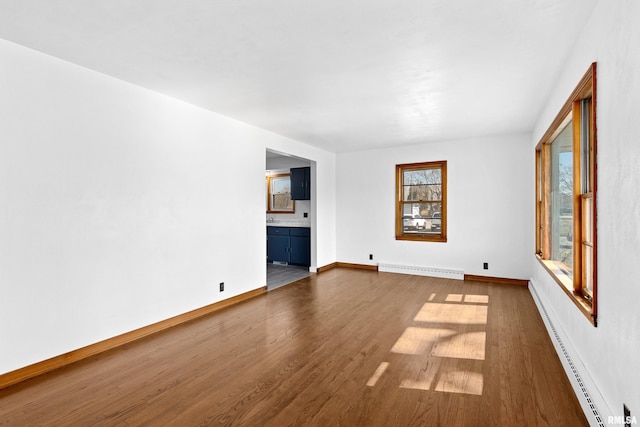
x=301 y=183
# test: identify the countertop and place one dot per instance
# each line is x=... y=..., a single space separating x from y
x=289 y=223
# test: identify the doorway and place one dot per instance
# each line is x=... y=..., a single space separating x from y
x=289 y=223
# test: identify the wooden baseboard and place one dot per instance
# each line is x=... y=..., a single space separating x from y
x=501 y=280
x=56 y=362
x=346 y=265
x=357 y=266
x=327 y=267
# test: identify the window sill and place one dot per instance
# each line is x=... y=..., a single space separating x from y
x=566 y=284
x=281 y=212
x=422 y=237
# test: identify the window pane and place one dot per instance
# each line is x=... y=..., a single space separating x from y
x=423 y=184
x=561 y=203
x=281 y=202
x=281 y=185
x=585 y=158
x=423 y=192
x=423 y=176
x=588 y=269
x=587 y=220
x=422 y=218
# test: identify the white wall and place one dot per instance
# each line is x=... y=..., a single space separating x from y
x=610 y=352
x=120 y=207
x=490 y=197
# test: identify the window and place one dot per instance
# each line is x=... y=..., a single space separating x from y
x=421 y=201
x=279 y=194
x=566 y=197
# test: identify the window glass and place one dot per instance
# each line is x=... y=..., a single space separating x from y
x=279 y=194
x=561 y=202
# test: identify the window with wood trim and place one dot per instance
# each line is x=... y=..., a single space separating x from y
x=421 y=201
x=566 y=197
x=279 y=194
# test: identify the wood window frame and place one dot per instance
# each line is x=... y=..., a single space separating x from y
x=584 y=201
x=269 y=184
x=421 y=237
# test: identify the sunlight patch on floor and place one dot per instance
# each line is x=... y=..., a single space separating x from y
x=466 y=345
x=479 y=299
x=465 y=382
x=416 y=340
x=441 y=343
x=446 y=357
x=452 y=313
x=454 y=298
x=467 y=298
x=377 y=374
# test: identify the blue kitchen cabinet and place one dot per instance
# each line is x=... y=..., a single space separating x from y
x=290 y=245
x=278 y=248
x=278 y=244
x=300 y=247
x=300 y=183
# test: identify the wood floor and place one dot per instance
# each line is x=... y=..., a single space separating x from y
x=345 y=347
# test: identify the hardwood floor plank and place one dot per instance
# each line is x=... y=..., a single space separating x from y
x=455 y=354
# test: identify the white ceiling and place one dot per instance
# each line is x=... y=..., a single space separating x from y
x=343 y=75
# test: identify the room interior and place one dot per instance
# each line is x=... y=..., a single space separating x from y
x=134 y=140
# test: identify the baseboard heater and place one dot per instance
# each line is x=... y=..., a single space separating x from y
x=445 y=273
x=563 y=352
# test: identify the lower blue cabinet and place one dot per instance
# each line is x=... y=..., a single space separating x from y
x=300 y=251
x=277 y=248
x=290 y=245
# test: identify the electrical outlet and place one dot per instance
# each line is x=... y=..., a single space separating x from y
x=485 y=266
x=306 y=215
x=371 y=256
x=221 y=286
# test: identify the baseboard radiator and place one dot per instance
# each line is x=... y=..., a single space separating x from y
x=581 y=391
x=445 y=273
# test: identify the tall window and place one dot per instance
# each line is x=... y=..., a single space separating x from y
x=421 y=201
x=566 y=197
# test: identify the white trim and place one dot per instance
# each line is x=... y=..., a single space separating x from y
x=446 y=273
x=592 y=402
